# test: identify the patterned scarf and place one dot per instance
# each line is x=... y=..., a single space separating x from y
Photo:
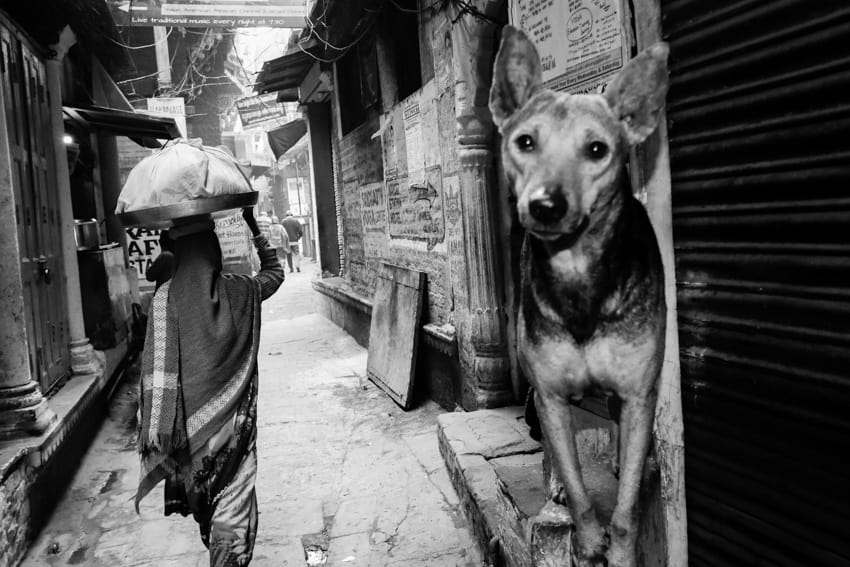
x=199 y=359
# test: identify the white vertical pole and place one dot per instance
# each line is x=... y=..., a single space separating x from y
x=163 y=64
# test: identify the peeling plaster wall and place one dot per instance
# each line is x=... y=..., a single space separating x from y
x=399 y=185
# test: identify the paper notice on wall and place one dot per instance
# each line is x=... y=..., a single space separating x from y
x=413 y=139
x=581 y=42
x=235 y=240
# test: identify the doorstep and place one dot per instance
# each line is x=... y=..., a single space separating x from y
x=35 y=470
x=497 y=471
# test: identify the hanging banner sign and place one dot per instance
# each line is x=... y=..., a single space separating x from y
x=582 y=43
x=255 y=110
x=217 y=13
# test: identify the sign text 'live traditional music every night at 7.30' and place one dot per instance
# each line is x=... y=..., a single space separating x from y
x=213 y=13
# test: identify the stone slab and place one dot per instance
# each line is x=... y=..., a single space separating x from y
x=497 y=471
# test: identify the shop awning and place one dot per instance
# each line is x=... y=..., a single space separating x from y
x=142 y=128
x=283 y=138
x=285 y=74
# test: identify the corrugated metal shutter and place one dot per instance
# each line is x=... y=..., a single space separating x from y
x=759 y=116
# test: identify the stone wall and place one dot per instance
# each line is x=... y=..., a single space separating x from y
x=15 y=514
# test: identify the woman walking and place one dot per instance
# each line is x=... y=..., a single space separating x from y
x=198 y=402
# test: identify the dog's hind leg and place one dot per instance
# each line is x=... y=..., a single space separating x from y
x=558 y=433
x=636 y=432
x=617 y=441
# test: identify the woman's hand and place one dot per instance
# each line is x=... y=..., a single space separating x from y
x=248 y=215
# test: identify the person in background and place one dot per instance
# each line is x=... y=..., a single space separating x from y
x=198 y=403
x=279 y=239
x=162 y=267
x=265 y=224
x=295 y=231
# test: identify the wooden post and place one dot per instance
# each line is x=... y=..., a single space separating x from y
x=653 y=173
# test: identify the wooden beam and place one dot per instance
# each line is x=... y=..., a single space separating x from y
x=653 y=176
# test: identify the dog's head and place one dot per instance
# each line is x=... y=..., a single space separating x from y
x=564 y=153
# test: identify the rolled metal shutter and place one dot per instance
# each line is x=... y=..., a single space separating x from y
x=759 y=131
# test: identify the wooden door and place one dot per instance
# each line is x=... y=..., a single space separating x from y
x=36 y=208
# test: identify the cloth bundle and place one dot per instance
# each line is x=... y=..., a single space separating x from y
x=181 y=171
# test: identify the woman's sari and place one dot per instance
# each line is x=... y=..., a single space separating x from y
x=198 y=400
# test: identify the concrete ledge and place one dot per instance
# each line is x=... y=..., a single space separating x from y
x=437 y=367
x=346 y=308
x=35 y=471
x=477 y=448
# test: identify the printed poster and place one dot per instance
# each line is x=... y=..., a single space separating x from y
x=143 y=248
x=580 y=42
x=237 y=252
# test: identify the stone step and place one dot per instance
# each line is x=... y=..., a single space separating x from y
x=497 y=471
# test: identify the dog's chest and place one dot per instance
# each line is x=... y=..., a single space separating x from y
x=607 y=361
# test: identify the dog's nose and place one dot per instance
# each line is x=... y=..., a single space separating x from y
x=548 y=207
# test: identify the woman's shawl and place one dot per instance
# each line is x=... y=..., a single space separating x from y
x=203 y=337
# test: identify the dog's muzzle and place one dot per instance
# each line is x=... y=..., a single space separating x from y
x=548 y=205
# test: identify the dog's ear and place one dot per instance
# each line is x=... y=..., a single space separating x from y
x=637 y=93
x=517 y=74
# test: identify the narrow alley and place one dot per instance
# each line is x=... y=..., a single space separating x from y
x=345 y=476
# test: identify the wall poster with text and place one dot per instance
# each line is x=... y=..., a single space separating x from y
x=582 y=43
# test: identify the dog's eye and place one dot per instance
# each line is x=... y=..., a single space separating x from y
x=597 y=150
x=525 y=143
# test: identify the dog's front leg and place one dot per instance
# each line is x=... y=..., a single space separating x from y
x=636 y=433
x=556 y=422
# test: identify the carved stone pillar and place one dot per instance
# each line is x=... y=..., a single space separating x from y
x=482 y=338
x=84 y=359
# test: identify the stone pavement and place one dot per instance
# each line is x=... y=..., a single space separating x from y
x=346 y=478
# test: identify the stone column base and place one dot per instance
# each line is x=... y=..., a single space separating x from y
x=492 y=376
x=23 y=412
x=84 y=359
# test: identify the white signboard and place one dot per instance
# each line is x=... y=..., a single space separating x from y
x=581 y=42
x=172 y=107
x=215 y=13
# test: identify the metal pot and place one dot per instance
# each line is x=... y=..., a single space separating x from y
x=86 y=234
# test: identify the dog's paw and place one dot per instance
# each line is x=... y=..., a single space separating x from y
x=618 y=556
x=590 y=542
x=615 y=465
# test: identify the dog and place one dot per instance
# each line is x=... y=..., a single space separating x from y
x=592 y=313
